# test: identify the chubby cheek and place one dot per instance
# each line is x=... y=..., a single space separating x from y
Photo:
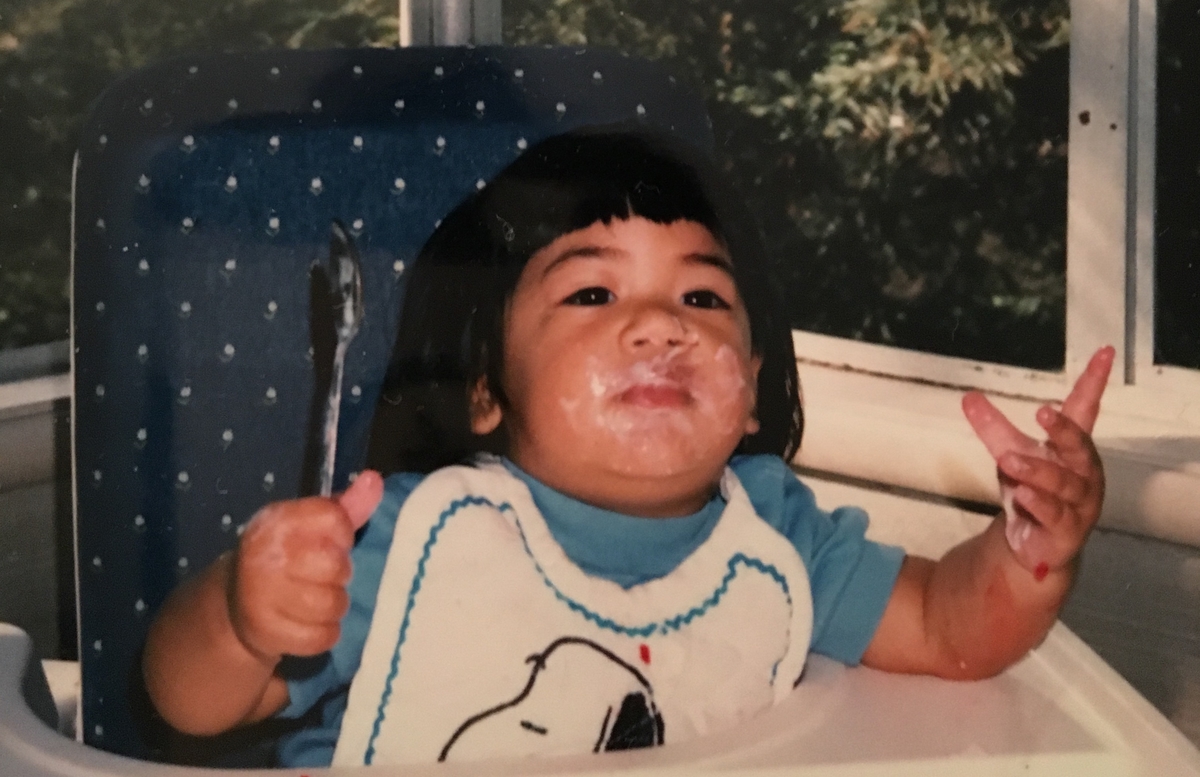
x=729 y=393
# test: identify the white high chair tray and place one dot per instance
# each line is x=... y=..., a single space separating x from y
x=1062 y=711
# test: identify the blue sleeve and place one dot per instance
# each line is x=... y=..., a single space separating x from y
x=851 y=577
x=310 y=680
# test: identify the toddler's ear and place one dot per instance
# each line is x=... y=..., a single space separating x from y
x=485 y=410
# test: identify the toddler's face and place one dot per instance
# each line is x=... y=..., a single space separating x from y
x=627 y=366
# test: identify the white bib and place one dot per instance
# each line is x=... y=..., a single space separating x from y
x=487 y=641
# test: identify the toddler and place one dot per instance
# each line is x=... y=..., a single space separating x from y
x=638 y=565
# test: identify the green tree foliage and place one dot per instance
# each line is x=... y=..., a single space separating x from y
x=57 y=56
x=907 y=158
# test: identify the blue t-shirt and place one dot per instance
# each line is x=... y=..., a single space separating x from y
x=851 y=577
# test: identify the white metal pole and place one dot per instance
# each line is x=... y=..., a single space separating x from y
x=1097 y=170
x=452 y=22
x=404 y=22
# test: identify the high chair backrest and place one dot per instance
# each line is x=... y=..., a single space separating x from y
x=205 y=189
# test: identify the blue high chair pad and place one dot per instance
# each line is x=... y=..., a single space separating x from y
x=205 y=190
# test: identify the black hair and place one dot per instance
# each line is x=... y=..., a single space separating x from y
x=452 y=326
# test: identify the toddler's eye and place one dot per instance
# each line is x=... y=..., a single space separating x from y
x=703 y=298
x=593 y=295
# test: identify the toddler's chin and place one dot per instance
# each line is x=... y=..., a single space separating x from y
x=665 y=452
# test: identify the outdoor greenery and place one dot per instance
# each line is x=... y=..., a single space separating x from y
x=907 y=158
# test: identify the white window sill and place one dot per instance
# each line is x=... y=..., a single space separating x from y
x=908 y=433
x=27 y=424
x=29 y=396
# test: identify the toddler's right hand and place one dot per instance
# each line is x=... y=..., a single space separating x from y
x=287 y=587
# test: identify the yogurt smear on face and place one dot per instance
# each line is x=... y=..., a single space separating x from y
x=659 y=413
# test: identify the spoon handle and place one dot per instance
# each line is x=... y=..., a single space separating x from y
x=345 y=276
x=332 y=413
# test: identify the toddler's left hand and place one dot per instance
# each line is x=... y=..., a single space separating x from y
x=1053 y=491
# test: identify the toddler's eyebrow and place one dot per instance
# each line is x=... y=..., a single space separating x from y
x=719 y=261
x=579 y=252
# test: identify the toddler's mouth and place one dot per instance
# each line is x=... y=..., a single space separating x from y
x=655 y=395
x=662 y=382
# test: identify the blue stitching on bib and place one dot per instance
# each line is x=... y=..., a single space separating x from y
x=454 y=507
x=665 y=627
x=670 y=624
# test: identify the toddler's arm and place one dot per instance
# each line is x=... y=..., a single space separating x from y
x=212 y=651
x=993 y=598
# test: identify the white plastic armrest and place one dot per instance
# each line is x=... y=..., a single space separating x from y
x=29 y=744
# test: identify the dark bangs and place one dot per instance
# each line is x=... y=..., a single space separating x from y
x=570 y=182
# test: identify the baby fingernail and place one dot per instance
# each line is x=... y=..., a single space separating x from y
x=1016 y=464
x=1045 y=415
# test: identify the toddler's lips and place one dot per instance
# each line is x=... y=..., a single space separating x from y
x=655 y=395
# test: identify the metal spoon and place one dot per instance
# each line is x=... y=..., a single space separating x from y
x=345 y=280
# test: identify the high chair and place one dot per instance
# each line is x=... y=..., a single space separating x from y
x=205 y=190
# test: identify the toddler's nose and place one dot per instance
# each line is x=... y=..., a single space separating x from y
x=654 y=325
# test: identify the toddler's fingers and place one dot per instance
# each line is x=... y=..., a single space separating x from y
x=1072 y=444
x=995 y=431
x=268 y=631
x=283 y=529
x=322 y=563
x=362 y=497
x=1082 y=405
x=324 y=521
x=1045 y=475
x=1048 y=511
x=314 y=605
x=305 y=639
